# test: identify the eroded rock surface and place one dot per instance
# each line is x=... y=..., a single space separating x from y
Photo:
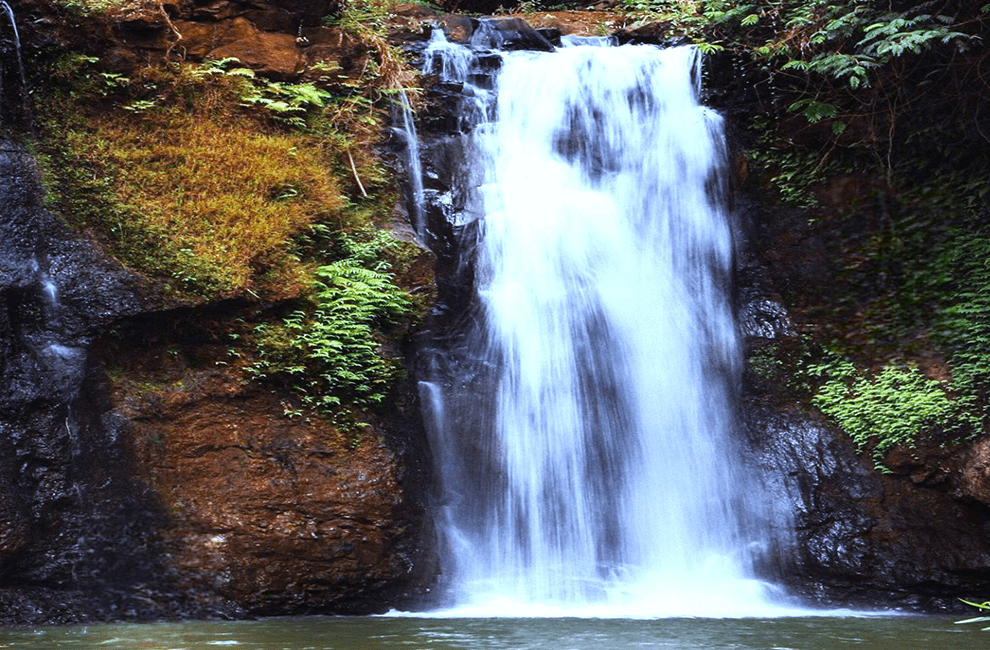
x=276 y=514
x=141 y=477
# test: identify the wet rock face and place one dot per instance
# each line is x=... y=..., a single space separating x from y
x=140 y=477
x=916 y=538
x=72 y=516
x=276 y=514
x=864 y=538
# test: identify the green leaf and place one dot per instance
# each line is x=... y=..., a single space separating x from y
x=813 y=110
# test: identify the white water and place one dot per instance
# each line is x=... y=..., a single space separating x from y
x=586 y=450
x=6 y=8
x=414 y=167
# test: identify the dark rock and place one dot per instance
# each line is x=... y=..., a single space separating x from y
x=75 y=518
x=458 y=28
x=509 y=33
x=650 y=34
x=861 y=537
x=173 y=473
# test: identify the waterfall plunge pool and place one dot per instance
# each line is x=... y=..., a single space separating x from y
x=788 y=633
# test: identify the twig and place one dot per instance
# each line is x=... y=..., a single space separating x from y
x=356 y=177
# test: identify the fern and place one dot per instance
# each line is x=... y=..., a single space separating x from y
x=813 y=110
x=329 y=351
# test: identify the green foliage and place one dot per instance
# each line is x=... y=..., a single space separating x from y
x=765 y=361
x=329 y=351
x=896 y=406
x=89 y=8
x=985 y=606
x=792 y=171
x=288 y=103
x=784 y=365
x=842 y=62
x=877 y=38
x=204 y=175
x=362 y=16
x=294 y=104
x=962 y=324
x=871 y=118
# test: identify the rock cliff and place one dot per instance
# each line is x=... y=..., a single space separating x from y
x=141 y=477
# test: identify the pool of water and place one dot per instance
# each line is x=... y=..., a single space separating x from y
x=817 y=633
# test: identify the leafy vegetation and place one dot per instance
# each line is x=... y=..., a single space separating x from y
x=192 y=189
x=984 y=606
x=204 y=174
x=899 y=405
x=868 y=116
x=218 y=182
x=329 y=351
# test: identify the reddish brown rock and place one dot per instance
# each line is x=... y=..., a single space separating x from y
x=271 y=54
x=974 y=476
x=275 y=514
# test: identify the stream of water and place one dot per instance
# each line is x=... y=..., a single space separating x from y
x=6 y=10
x=586 y=446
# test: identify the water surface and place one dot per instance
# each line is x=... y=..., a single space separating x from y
x=819 y=633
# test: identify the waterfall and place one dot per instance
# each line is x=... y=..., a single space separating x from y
x=583 y=419
x=6 y=9
x=414 y=169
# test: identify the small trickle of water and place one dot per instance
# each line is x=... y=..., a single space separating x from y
x=50 y=290
x=454 y=63
x=414 y=166
x=589 y=462
x=5 y=8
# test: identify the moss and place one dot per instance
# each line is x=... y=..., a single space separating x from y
x=192 y=188
x=220 y=184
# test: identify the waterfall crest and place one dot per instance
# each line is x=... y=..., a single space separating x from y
x=584 y=433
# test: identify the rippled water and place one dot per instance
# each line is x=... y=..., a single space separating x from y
x=821 y=633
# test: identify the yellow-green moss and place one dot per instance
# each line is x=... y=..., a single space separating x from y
x=216 y=191
x=189 y=184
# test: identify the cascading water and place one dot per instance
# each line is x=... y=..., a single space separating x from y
x=584 y=429
x=9 y=12
x=414 y=168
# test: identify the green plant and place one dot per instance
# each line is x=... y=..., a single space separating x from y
x=88 y=8
x=896 y=406
x=962 y=324
x=984 y=606
x=329 y=351
x=187 y=172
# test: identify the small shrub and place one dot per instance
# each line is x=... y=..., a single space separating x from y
x=897 y=406
x=985 y=607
